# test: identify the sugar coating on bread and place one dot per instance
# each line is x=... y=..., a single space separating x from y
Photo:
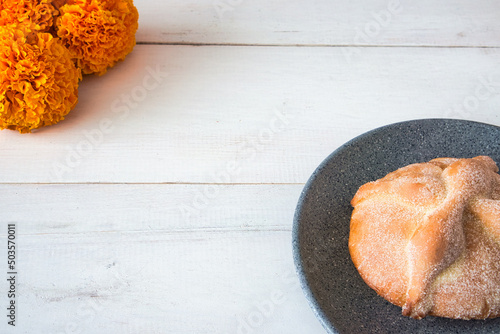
x=427 y=238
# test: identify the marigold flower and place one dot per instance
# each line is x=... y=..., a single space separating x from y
x=38 y=79
x=37 y=14
x=98 y=33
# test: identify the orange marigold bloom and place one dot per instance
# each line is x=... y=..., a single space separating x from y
x=99 y=33
x=37 y=14
x=38 y=79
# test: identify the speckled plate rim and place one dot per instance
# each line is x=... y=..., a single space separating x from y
x=306 y=288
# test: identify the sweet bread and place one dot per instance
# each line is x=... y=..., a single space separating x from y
x=426 y=237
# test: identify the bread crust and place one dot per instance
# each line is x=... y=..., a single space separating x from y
x=426 y=237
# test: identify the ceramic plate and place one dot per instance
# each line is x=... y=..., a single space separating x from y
x=335 y=290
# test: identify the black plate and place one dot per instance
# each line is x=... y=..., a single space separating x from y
x=335 y=290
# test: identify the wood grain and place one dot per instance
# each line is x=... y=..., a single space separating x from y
x=321 y=22
x=216 y=114
x=67 y=209
x=95 y=257
x=159 y=282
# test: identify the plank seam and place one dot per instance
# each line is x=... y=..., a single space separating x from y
x=323 y=45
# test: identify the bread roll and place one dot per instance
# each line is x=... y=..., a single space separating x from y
x=427 y=238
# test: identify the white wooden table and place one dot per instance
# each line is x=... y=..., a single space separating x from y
x=164 y=202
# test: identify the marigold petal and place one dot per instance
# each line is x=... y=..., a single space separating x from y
x=36 y=14
x=38 y=79
x=98 y=33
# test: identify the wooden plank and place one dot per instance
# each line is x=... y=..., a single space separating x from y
x=245 y=114
x=321 y=22
x=158 y=282
x=75 y=209
x=107 y=258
